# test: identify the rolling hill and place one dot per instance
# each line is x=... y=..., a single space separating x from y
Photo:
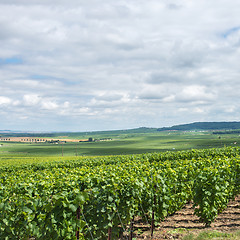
x=203 y=126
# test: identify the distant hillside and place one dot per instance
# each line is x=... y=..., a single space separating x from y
x=203 y=126
x=115 y=132
x=198 y=126
x=5 y=131
x=108 y=133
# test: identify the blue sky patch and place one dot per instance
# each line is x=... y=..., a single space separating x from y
x=36 y=77
x=11 y=61
x=230 y=31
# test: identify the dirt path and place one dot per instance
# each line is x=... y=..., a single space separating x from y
x=184 y=222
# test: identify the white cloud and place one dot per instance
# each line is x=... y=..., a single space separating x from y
x=198 y=110
x=23 y=117
x=170 y=98
x=5 y=100
x=66 y=104
x=31 y=99
x=230 y=109
x=49 y=105
x=197 y=93
x=160 y=91
x=145 y=61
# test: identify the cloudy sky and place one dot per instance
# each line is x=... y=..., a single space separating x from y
x=99 y=65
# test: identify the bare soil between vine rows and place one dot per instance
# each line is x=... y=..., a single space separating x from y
x=185 y=222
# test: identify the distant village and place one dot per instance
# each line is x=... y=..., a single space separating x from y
x=48 y=140
x=41 y=140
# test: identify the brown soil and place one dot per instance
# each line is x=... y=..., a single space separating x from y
x=185 y=222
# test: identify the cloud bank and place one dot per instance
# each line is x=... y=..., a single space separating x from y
x=91 y=65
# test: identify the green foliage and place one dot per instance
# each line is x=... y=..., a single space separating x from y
x=39 y=208
x=121 y=142
x=213 y=189
x=57 y=199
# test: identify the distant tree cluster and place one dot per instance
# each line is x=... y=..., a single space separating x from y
x=203 y=126
x=227 y=132
x=33 y=135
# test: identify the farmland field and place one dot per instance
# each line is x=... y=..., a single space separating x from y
x=122 y=183
x=108 y=196
x=123 y=143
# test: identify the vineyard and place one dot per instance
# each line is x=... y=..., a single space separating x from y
x=101 y=197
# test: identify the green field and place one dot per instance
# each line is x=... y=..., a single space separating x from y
x=123 y=142
x=44 y=187
x=100 y=197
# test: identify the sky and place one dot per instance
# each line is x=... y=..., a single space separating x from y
x=102 y=65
